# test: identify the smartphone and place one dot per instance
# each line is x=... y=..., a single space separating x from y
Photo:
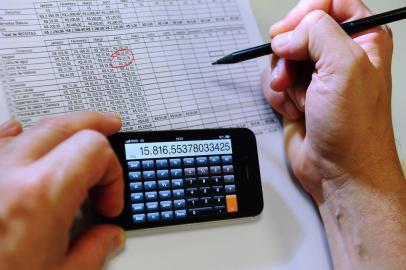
x=188 y=176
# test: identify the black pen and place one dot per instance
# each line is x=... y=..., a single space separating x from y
x=348 y=27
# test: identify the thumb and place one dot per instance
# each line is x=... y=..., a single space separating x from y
x=91 y=250
x=319 y=38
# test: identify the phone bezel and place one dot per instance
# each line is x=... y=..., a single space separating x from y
x=249 y=191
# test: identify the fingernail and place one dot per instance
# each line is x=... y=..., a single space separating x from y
x=8 y=124
x=281 y=40
x=118 y=242
x=290 y=110
x=112 y=115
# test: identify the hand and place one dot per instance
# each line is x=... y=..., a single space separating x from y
x=46 y=173
x=335 y=91
x=335 y=94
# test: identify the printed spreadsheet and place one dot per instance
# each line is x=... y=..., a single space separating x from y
x=148 y=60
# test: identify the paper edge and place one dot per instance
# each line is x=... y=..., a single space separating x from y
x=4 y=110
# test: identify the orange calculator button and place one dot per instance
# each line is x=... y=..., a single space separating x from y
x=232 y=206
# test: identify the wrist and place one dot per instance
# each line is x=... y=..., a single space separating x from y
x=373 y=162
x=363 y=219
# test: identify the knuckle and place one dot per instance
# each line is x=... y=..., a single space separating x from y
x=95 y=116
x=83 y=114
x=385 y=38
x=315 y=17
x=54 y=125
x=92 y=137
x=359 y=55
x=388 y=31
x=383 y=35
x=359 y=58
x=277 y=101
x=266 y=79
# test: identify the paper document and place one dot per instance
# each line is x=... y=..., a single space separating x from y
x=148 y=60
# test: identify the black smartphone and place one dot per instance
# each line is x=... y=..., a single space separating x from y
x=187 y=176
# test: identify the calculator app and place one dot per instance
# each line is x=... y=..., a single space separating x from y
x=175 y=180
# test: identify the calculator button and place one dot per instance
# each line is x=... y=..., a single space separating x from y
x=175 y=163
x=153 y=216
x=136 y=186
x=191 y=182
x=134 y=176
x=214 y=160
x=216 y=180
x=228 y=169
x=152 y=206
x=180 y=213
x=215 y=170
x=204 y=181
x=218 y=189
x=179 y=204
x=163 y=174
x=229 y=179
x=230 y=189
x=200 y=211
x=189 y=162
x=148 y=164
x=177 y=183
x=137 y=197
x=202 y=171
x=148 y=175
x=134 y=165
x=139 y=218
x=191 y=192
x=161 y=163
x=166 y=205
x=201 y=161
x=168 y=215
x=205 y=201
x=164 y=184
x=151 y=196
x=176 y=173
x=190 y=172
x=232 y=206
x=138 y=208
x=227 y=160
x=150 y=185
x=220 y=209
x=204 y=191
x=192 y=202
x=178 y=193
x=165 y=194
x=218 y=200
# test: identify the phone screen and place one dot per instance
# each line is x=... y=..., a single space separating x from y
x=185 y=176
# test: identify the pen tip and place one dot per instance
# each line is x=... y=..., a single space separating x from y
x=214 y=63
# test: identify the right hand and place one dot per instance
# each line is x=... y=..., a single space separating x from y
x=335 y=93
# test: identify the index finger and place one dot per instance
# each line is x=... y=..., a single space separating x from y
x=342 y=10
x=49 y=132
x=85 y=162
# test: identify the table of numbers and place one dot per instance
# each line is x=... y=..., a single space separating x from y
x=150 y=61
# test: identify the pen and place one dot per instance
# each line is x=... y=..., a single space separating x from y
x=348 y=27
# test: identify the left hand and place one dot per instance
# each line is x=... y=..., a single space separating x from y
x=46 y=173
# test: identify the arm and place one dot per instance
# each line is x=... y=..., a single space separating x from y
x=338 y=129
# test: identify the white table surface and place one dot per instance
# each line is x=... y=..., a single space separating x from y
x=288 y=234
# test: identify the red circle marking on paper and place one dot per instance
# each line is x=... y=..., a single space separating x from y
x=119 y=52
